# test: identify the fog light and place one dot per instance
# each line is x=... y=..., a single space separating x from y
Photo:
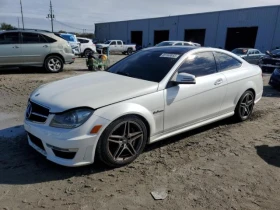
x=62 y=149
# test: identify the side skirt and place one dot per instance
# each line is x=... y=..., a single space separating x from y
x=165 y=135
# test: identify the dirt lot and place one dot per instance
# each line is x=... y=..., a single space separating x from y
x=221 y=166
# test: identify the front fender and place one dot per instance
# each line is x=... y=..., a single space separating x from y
x=116 y=111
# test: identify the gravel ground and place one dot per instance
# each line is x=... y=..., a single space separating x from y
x=225 y=165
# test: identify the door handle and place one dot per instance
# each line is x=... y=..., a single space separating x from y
x=16 y=47
x=218 y=82
x=45 y=46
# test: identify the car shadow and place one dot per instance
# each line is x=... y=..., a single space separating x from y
x=23 y=70
x=269 y=91
x=179 y=137
x=270 y=155
x=21 y=164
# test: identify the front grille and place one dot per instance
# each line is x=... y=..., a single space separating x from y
x=36 y=141
x=270 y=61
x=64 y=155
x=36 y=112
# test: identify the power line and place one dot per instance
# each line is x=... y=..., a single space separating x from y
x=81 y=29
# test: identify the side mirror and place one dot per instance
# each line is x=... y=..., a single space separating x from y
x=267 y=52
x=184 y=78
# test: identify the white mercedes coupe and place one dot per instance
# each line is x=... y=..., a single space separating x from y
x=146 y=97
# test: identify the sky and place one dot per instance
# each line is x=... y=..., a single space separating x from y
x=76 y=15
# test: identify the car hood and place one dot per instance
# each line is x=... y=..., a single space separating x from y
x=101 y=45
x=90 y=90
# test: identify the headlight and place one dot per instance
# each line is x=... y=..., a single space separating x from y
x=71 y=119
x=277 y=72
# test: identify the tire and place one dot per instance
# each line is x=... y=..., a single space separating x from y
x=53 y=64
x=245 y=106
x=87 y=52
x=129 y=51
x=116 y=146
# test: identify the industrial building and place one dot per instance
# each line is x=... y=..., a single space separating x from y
x=257 y=27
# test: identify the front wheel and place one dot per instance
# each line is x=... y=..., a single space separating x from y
x=122 y=141
x=87 y=52
x=245 y=106
x=53 y=64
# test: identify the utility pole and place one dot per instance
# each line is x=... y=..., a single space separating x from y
x=18 y=22
x=21 y=15
x=51 y=15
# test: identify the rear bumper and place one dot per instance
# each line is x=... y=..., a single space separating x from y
x=69 y=58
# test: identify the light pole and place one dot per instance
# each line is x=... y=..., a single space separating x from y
x=21 y=15
x=51 y=15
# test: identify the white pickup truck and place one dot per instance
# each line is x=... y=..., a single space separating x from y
x=115 y=46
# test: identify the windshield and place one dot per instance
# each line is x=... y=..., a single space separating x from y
x=147 y=65
x=69 y=37
x=240 y=51
x=275 y=52
x=164 y=44
x=107 y=42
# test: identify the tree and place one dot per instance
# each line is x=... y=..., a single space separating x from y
x=5 y=26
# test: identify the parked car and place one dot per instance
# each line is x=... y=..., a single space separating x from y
x=275 y=78
x=73 y=41
x=177 y=43
x=34 y=48
x=87 y=46
x=250 y=55
x=146 y=97
x=116 y=46
x=270 y=61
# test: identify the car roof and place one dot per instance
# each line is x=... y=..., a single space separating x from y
x=27 y=30
x=171 y=49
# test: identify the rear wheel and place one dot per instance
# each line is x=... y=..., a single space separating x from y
x=122 y=141
x=53 y=64
x=129 y=51
x=245 y=106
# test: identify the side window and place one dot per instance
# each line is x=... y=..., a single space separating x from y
x=86 y=41
x=251 y=52
x=178 y=44
x=200 y=64
x=46 y=39
x=9 y=38
x=32 y=38
x=226 y=62
x=80 y=40
x=113 y=43
x=186 y=44
x=119 y=43
x=257 y=52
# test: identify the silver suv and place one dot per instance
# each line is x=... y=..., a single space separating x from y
x=34 y=48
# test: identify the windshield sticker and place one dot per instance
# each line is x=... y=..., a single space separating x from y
x=165 y=55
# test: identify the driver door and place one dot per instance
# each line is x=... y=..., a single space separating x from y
x=113 y=46
x=188 y=104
